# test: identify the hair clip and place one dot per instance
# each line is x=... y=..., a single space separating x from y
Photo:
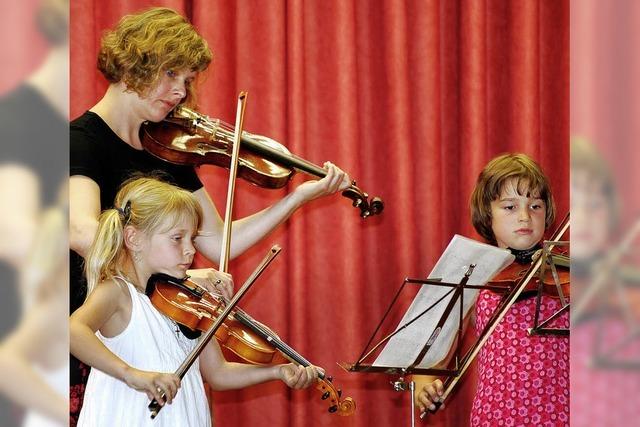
x=125 y=213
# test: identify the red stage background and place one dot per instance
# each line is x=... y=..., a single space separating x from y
x=412 y=98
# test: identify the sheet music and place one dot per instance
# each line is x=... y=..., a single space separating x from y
x=401 y=350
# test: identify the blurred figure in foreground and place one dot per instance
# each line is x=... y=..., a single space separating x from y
x=33 y=230
x=605 y=306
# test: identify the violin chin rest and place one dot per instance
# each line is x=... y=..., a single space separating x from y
x=189 y=333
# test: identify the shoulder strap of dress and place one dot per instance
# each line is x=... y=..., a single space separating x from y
x=133 y=292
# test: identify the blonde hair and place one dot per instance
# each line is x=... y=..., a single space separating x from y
x=144 y=45
x=530 y=181
x=147 y=204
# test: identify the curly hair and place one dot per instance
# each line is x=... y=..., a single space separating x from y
x=145 y=45
x=530 y=181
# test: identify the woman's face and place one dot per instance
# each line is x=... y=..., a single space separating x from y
x=170 y=90
x=517 y=221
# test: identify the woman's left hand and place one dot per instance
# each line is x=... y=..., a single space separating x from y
x=335 y=180
x=297 y=377
x=216 y=282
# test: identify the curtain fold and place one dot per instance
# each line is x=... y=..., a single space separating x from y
x=411 y=99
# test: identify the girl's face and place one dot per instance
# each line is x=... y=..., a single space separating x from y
x=171 y=252
x=518 y=222
x=170 y=90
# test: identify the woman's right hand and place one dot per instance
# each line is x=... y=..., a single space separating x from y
x=429 y=394
x=154 y=384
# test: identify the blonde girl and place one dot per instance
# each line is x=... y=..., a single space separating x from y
x=132 y=346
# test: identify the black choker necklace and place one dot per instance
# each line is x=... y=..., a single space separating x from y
x=525 y=256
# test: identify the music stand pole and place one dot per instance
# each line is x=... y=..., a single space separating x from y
x=401 y=385
x=412 y=389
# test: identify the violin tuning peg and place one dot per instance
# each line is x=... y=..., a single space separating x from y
x=329 y=378
x=339 y=392
x=377 y=205
x=333 y=408
x=325 y=395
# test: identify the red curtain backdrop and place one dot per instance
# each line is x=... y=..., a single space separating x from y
x=412 y=98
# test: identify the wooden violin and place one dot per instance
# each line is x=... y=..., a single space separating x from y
x=550 y=281
x=188 y=137
x=192 y=306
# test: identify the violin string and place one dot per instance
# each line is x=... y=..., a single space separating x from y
x=272 y=338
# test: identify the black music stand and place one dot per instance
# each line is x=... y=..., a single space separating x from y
x=487 y=261
x=400 y=384
x=456 y=293
x=549 y=263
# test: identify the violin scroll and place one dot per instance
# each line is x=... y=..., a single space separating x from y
x=361 y=201
x=343 y=407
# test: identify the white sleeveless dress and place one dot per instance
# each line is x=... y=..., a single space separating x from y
x=149 y=342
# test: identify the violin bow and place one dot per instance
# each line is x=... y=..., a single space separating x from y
x=233 y=171
x=154 y=406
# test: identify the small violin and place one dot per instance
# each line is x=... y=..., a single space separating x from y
x=196 y=309
x=513 y=273
x=188 y=137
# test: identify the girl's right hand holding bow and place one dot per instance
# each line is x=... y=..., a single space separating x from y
x=429 y=392
x=154 y=384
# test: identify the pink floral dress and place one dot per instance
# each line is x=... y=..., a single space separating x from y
x=522 y=380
